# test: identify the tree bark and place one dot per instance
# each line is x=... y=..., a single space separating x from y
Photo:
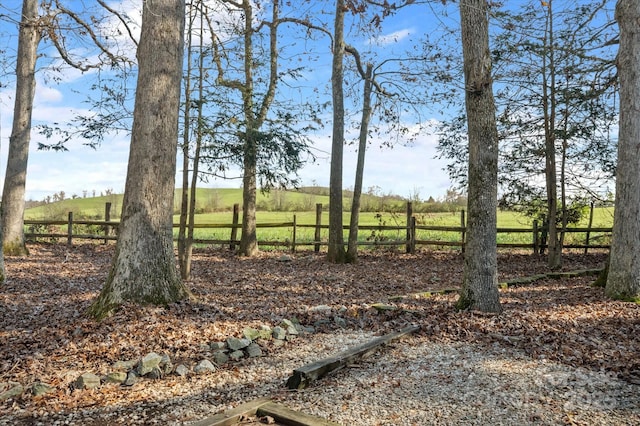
x=623 y=281
x=254 y=121
x=352 y=247
x=480 y=282
x=144 y=266
x=549 y=104
x=16 y=172
x=335 y=249
x=184 y=246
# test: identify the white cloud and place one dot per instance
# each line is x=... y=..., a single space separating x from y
x=394 y=37
x=47 y=94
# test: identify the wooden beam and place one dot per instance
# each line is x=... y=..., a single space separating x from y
x=287 y=416
x=304 y=375
x=232 y=417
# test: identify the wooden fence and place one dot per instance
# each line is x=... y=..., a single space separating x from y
x=106 y=230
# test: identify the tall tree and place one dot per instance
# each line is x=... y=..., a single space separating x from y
x=335 y=249
x=480 y=282
x=58 y=24
x=623 y=281
x=16 y=172
x=188 y=199
x=352 y=246
x=555 y=91
x=268 y=143
x=144 y=267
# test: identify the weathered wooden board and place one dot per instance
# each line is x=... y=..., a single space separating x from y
x=304 y=375
x=553 y=275
x=232 y=417
x=287 y=416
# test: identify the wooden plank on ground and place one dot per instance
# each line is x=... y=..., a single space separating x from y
x=287 y=416
x=232 y=417
x=516 y=282
x=306 y=374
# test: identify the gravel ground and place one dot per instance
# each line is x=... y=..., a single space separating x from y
x=412 y=381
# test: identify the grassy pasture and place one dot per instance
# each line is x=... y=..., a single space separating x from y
x=222 y=200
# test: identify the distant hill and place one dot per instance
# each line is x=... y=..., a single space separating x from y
x=207 y=200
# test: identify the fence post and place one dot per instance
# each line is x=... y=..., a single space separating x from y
x=107 y=218
x=413 y=234
x=234 y=226
x=409 y=216
x=70 y=229
x=293 y=237
x=586 y=243
x=316 y=237
x=535 y=237
x=464 y=228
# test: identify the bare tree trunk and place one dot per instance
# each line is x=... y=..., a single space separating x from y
x=480 y=282
x=623 y=281
x=352 y=250
x=16 y=173
x=188 y=204
x=144 y=266
x=549 y=104
x=335 y=249
x=2 y=269
x=249 y=238
x=183 y=244
x=196 y=155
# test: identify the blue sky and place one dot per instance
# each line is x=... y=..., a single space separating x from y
x=402 y=170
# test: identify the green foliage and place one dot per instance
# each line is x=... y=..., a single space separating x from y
x=582 y=79
x=536 y=209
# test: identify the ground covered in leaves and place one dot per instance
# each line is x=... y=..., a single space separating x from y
x=45 y=335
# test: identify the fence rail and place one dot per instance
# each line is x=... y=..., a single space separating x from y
x=106 y=230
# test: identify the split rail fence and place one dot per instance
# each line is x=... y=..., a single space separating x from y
x=408 y=235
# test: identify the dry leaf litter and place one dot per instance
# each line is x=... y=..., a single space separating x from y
x=561 y=353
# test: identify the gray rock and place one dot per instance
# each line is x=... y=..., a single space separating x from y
x=250 y=333
x=236 y=355
x=289 y=326
x=148 y=363
x=124 y=365
x=279 y=333
x=254 y=350
x=14 y=389
x=182 y=370
x=87 y=381
x=204 y=366
x=265 y=332
x=118 y=377
x=40 y=388
x=340 y=322
x=322 y=309
x=218 y=346
x=132 y=378
x=237 y=344
x=286 y=323
x=166 y=366
x=278 y=343
x=220 y=357
x=156 y=373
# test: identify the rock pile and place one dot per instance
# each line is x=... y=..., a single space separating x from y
x=156 y=366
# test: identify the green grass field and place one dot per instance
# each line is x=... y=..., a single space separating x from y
x=302 y=206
